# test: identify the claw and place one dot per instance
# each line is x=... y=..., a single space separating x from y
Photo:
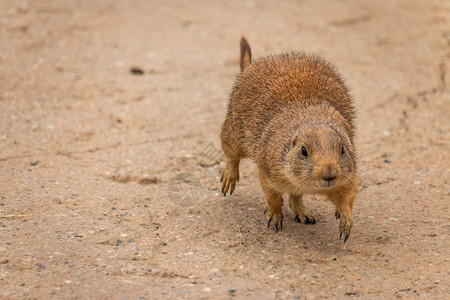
x=308 y=220
x=340 y=236
x=281 y=224
x=337 y=214
x=228 y=177
x=268 y=223
x=276 y=227
x=346 y=237
x=233 y=186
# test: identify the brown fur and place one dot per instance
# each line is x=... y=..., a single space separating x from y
x=281 y=108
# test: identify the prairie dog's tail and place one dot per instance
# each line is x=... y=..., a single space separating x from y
x=246 y=54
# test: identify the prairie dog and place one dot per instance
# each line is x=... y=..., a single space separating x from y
x=292 y=114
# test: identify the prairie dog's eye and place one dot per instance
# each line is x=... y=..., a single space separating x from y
x=342 y=150
x=304 y=152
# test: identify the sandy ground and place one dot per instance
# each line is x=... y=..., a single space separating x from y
x=109 y=180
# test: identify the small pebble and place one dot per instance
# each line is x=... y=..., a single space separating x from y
x=119 y=242
x=42 y=265
x=22 y=284
x=231 y=291
x=136 y=71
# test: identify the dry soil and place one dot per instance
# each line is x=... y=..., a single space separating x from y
x=109 y=181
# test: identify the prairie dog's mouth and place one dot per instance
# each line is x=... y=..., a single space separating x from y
x=327 y=183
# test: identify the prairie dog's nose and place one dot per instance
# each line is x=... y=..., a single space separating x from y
x=329 y=172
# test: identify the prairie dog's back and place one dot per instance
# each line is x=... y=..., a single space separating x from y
x=271 y=83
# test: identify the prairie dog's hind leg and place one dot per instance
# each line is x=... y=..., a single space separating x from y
x=230 y=175
x=300 y=212
x=230 y=146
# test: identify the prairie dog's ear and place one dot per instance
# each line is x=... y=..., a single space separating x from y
x=293 y=142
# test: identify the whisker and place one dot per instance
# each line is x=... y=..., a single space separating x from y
x=374 y=149
x=302 y=181
x=365 y=162
x=349 y=181
x=362 y=172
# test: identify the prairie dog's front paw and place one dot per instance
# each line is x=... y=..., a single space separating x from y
x=345 y=225
x=304 y=217
x=301 y=214
x=274 y=217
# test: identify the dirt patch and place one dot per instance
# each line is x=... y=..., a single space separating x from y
x=110 y=157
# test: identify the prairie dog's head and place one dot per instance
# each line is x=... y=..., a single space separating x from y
x=320 y=157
